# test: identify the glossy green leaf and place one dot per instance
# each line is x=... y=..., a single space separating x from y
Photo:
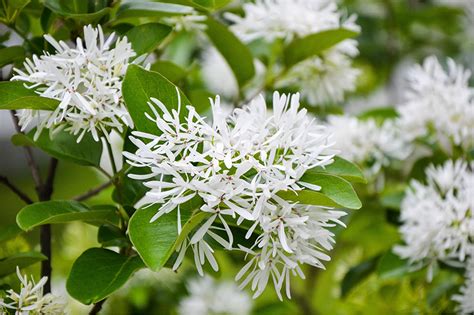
x=237 y=55
x=49 y=212
x=311 y=45
x=357 y=274
x=342 y=168
x=14 y=95
x=111 y=235
x=169 y=70
x=8 y=264
x=156 y=241
x=146 y=37
x=139 y=86
x=207 y=5
x=11 y=54
x=78 y=10
x=64 y=146
x=380 y=113
x=99 y=272
x=151 y=9
x=335 y=192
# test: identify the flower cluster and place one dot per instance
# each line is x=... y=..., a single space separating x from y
x=367 y=143
x=437 y=217
x=207 y=296
x=322 y=79
x=237 y=165
x=187 y=22
x=86 y=80
x=464 y=298
x=439 y=103
x=30 y=300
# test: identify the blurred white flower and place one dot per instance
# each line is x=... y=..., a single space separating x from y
x=30 y=299
x=466 y=294
x=366 y=143
x=323 y=79
x=188 y=22
x=208 y=296
x=439 y=102
x=218 y=75
x=437 y=218
x=237 y=165
x=86 y=80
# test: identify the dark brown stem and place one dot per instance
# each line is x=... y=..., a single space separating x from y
x=16 y=190
x=93 y=192
x=97 y=307
x=303 y=303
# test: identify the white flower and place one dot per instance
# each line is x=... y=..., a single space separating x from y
x=437 y=218
x=207 y=296
x=465 y=298
x=440 y=102
x=218 y=75
x=30 y=299
x=286 y=19
x=188 y=22
x=323 y=79
x=86 y=80
x=237 y=164
x=366 y=143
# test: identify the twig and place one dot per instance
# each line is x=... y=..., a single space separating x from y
x=97 y=307
x=16 y=190
x=93 y=191
x=29 y=156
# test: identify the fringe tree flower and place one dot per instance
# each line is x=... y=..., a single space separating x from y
x=437 y=217
x=207 y=296
x=323 y=79
x=465 y=297
x=237 y=164
x=86 y=79
x=368 y=144
x=30 y=300
x=439 y=102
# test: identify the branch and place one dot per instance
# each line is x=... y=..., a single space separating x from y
x=29 y=156
x=93 y=192
x=16 y=190
x=97 y=307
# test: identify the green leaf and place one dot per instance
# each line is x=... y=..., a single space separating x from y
x=311 y=45
x=391 y=266
x=18 y=4
x=237 y=55
x=357 y=274
x=342 y=168
x=169 y=70
x=139 y=86
x=8 y=264
x=11 y=54
x=146 y=37
x=77 y=10
x=155 y=242
x=335 y=192
x=9 y=232
x=151 y=9
x=379 y=113
x=99 y=272
x=49 y=212
x=14 y=95
x=111 y=235
x=64 y=146
x=208 y=5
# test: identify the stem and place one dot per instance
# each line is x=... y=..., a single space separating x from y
x=97 y=307
x=16 y=190
x=93 y=191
